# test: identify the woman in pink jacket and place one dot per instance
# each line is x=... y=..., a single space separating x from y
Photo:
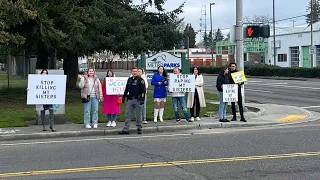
x=111 y=106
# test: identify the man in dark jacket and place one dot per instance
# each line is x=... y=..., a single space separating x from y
x=232 y=69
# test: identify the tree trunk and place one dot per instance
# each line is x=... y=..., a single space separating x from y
x=43 y=57
x=71 y=69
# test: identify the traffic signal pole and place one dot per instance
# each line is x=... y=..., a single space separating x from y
x=239 y=35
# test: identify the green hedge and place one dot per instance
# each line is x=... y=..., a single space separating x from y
x=269 y=70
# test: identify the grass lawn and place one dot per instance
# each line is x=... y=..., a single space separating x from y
x=14 y=112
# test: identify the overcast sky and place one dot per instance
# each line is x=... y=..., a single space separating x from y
x=223 y=12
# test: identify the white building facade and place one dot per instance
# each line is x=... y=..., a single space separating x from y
x=293 y=47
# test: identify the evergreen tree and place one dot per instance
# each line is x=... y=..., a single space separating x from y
x=189 y=32
x=218 y=36
x=315 y=11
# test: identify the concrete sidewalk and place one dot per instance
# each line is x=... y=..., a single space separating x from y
x=267 y=114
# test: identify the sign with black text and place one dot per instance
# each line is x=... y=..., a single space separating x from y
x=181 y=83
x=46 y=89
x=230 y=92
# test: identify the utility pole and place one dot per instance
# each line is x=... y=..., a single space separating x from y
x=239 y=34
x=211 y=34
x=311 y=34
x=188 y=42
x=274 y=33
x=293 y=22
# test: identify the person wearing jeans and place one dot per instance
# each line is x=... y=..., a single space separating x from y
x=221 y=80
x=178 y=98
x=91 y=87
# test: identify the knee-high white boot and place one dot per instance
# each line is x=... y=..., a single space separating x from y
x=155 y=115
x=161 y=114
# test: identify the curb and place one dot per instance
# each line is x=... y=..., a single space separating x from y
x=146 y=130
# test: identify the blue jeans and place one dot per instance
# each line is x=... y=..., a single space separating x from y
x=222 y=107
x=182 y=101
x=112 y=117
x=91 y=106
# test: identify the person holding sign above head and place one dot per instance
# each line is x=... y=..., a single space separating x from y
x=233 y=69
x=91 y=94
x=178 y=98
x=159 y=81
x=144 y=107
x=135 y=93
x=222 y=79
x=111 y=105
x=196 y=99
x=43 y=107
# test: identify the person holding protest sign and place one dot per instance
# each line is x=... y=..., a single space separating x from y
x=178 y=98
x=233 y=69
x=43 y=107
x=135 y=93
x=222 y=79
x=91 y=94
x=196 y=99
x=141 y=73
x=111 y=103
x=159 y=81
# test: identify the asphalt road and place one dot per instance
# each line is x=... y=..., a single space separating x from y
x=247 y=153
x=304 y=94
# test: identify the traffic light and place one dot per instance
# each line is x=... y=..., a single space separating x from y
x=256 y=31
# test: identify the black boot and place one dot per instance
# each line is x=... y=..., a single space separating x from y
x=234 y=118
x=243 y=119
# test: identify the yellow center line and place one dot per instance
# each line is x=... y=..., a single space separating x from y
x=158 y=164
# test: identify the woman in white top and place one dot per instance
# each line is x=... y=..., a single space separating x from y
x=141 y=73
x=91 y=94
x=196 y=99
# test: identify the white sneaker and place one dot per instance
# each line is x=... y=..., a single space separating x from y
x=88 y=126
x=113 y=124
x=155 y=120
x=197 y=118
x=109 y=124
x=144 y=122
x=192 y=119
x=95 y=126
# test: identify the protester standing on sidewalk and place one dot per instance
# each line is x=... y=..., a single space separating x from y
x=141 y=73
x=91 y=94
x=233 y=68
x=222 y=79
x=196 y=99
x=159 y=81
x=43 y=107
x=135 y=93
x=111 y=106
x=178 y=98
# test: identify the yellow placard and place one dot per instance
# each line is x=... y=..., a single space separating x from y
x=239 y=77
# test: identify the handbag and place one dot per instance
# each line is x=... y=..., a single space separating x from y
x=119 y=100
x=86 y=100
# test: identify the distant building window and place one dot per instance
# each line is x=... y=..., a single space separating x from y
x=282 y=57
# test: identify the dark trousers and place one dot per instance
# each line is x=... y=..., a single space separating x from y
x=233 y=105
x=196 y=103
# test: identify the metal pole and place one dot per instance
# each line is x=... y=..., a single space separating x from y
x=274 y=33
x=188 y=43
x=239 y=35
x=211 y=34
x=311 y=34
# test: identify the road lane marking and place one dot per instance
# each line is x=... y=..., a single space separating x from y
x=112 y=138
x=256 y=90
x=157 y=164
x=299 y=87
x=308 y=107
x=293 y=118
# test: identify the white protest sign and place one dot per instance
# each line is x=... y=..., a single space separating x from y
x=181 y=83
x=57 y=108
x=46 y=89
x=116 y=85
x=230 y=92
